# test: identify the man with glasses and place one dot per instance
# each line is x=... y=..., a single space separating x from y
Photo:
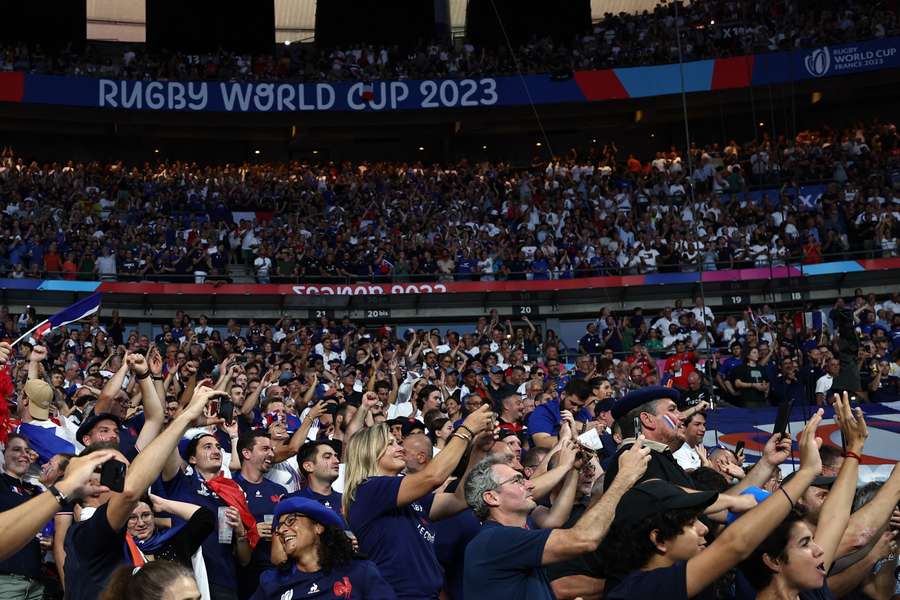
x=505 y=559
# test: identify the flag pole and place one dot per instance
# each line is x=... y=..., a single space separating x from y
x=29 y=332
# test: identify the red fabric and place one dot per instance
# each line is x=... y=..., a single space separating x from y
x=137 y=559
x=6 y=391
x=232 y=494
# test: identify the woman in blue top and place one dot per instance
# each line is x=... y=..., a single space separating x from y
x=391 y=515
x=656 y=547
x=321 y=561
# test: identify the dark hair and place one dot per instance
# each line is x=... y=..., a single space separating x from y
x=628 y=547
x=150 y=582
x=247 y=441
x=335 y=550
x=382 y=385
x=308 y=452
x=425 y=392
x=191 y=449
x=775 y=546
x=17 y=436
x=694 y=414
x=710 y=480
x=626 y=422
x=580 y=388
x=97 y=446
x=829 y=455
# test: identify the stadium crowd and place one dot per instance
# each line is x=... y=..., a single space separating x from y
x=578 y=216
x=284 y=443
x=709 y=29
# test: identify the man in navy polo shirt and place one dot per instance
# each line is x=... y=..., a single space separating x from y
x=20 y=573
x=204 y=455
x=543 y=423
x=505 y=559
x=257 y=454
x=320 y=465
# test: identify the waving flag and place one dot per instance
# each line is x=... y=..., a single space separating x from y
x=47 y=438
x=76 y=312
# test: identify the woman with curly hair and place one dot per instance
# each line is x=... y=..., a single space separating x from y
x=320 y=558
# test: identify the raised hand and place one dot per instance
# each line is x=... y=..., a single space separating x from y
x=137 y=363
x=202 y=395
x=810 y=444
x=77 y=482
x=155 y=359
x=633 y=463
x=852 y=422
x=777 y=449
x=480 y=420
x=38 y=354
x=5 y=352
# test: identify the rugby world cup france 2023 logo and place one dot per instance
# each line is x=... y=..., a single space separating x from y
x=818 y=62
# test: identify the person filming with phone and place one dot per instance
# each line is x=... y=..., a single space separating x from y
x=98 y=544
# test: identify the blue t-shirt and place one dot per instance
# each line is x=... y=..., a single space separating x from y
x=360 y=580
x=400 y=541
x=261 y=500
x=545 y=418
x=505 y=562
x=93 y=551
x=221 y=565
x=332 y=500
x=669 y=583
x=452 y=537
x=26 y=561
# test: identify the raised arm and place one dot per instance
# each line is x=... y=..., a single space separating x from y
x=149 y=463
x=744 y=535
x=592 y=527
x=153 y=409
x=776 y=451
x=20 y=524
x=439 y=469
x=836 y=510
x=112 y=387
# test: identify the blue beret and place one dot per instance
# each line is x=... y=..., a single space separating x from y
x=308 y=508
x=637 y=397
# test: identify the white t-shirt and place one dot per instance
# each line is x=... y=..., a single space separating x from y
x=687 y=457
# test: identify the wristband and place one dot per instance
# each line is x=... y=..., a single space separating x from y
x=60 y=497
x=144 y=376
x=467 y=429
x=158 y=377
x=849 y=454
x=462 y=437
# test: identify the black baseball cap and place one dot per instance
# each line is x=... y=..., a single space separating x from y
x=658 y=496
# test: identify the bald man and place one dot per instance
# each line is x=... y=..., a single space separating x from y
x=418 y=452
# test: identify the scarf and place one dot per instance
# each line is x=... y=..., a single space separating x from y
x=232 y=495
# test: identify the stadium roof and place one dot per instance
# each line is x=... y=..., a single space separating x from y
x=125 y=20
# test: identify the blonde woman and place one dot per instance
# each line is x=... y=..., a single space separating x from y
x=391 y=515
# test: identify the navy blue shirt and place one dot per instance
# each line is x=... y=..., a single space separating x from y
x=219 y=558
x=93 y=551
x=333 y=500
x=26 y=561
x=400 y=541
x=453 y=536
x=360 y=580
x=546 y=419
x=505 y=562
x=261 y=499
x=669 y=583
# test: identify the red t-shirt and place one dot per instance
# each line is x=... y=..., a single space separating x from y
x=680 y=366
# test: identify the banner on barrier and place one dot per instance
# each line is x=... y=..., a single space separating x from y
x=585 y=86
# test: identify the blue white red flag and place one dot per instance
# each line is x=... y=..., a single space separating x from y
x=47 y=438
x=76 y=312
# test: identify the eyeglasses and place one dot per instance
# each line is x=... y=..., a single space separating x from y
x=517 y=480
x=288 y=520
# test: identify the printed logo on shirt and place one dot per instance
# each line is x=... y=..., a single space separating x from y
x=258 y=494
x=276 y=499
x=313 y=589
x=287 y=595
x=343 y=588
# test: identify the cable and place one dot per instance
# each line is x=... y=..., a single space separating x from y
x=512 y=53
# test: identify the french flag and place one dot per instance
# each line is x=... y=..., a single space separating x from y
x=76 y=312
x=47 y=438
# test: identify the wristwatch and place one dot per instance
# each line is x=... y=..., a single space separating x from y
x=60 y=497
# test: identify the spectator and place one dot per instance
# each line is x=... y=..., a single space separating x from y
x=157 y=580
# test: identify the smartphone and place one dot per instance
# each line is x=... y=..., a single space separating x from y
x=637 y=427
x=112 y=475
x=226 y=411
x=782 y=420
x=213 y=407
x=738 y=448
